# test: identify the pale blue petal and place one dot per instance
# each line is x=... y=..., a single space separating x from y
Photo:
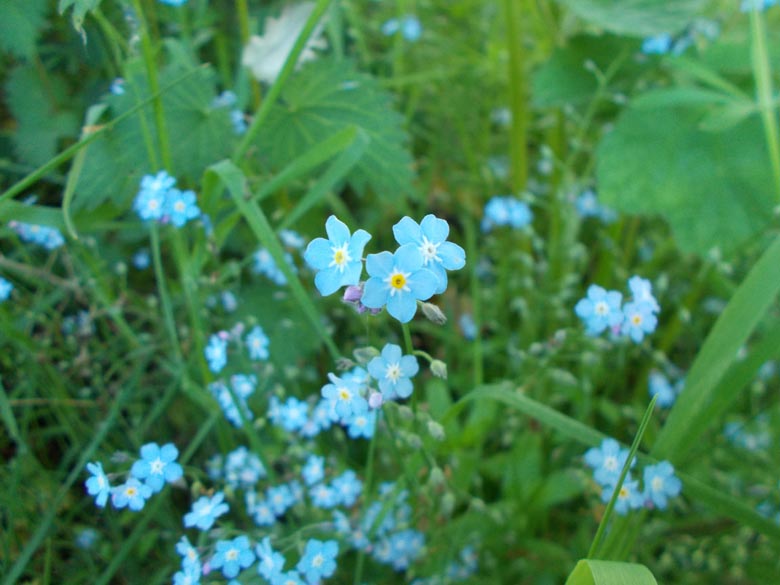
x=379 y=265
x=435 y=229
x=327 y=281
x=407 y=231
x=376 y=367
x=391 y=353
x=403 y=388
x=150 y=451
x=423 y=284
x=453 y=257
x=169 y=452
x=356 y=244
x=408 y=258
x=318 y=253
x=402 y=307
x=352 y=273
x=374 y=293
x=441 y=276
x=409 y=366
x=337 y=230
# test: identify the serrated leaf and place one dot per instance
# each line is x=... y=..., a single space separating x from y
x=327 y=96
x=637 y=18
x=80 y=9
x=714 y=188
x=199 y=135
x=20 y=24
x=40 y=122
x=593 y=572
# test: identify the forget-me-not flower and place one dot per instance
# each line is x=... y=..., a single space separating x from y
x=629 y=496
x=216 y=353
x=393 y=372
x=345 y=396
x=607 y=461
x=339 y=259
x=5 y=289
x=269 y=562
x=661 y=484
x=205 y=511
x=659 y=385
x=232 y=556
x=318 y=560
x=181 y=206
x=409 y=26
x=638 y=320
x=599 y=309
x=131 y=494
x=257 y=343
x=157 y=465
x=98 y=485
x=430 y=237
x=398 y=281
x=511 y=211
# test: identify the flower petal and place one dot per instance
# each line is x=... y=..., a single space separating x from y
x=407 y=231
x=435 y=229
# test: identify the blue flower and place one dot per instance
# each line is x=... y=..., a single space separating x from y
x=233 y=411
x=269 y=562
x=257 y=343
x=600 y=309
x=638 y=320
x=180 y=207
x=98 y=485
x=86 y=538
x=117 y=86
x=216 y=353
x=748 y=5
x=642 y=292
x=657 y=45
x=189 y=556
x=288 y=578
x=280 y=498
x=393 y=372
x=189 y=575
x=313 y=470
x=430 y=237
x=661 y=484
x=338 y=259
x=629 y=496
x=293 y=414
x=323 y=496
x=260 y=510
x=398 y=280
x=41 y=235
x=243 y=468
x=501 y=211
x=347 y=488
x=173 y=2
x=318 y=560
x=150 y=203
x=232 y=556
x=264 y=264
x=5 y=289
x=205 y=511
x=409 y=26
x=361 y=425
x=157 y=465
x=142 y=259
x=131 y=494
x=607 y=461
x=659 y=385
x=344 y=396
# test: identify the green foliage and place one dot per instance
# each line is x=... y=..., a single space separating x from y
x=80 y=10
x=325 y=97
x=714 y=188
x=592 y=572
x=37 y=101
x=20 y=24
x=638 y=18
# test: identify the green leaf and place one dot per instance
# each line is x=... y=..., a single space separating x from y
x=689 y=418
x=714 y=188
x=41 y=123
x=592 y=572
x=637 y=18
x=325 y=97
x=80 y=9
x=20 y=24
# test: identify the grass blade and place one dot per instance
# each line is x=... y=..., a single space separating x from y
x=593 y=572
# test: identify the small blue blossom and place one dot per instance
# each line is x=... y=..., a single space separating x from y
x=467 y=326
x=409 y=27
x=506 y=211
x=347 y=488
x=398 y=280
x=157 y=465
x=117 y=86
x=280 y=498
x=318 y=560
x=292 y=239
x=142 y=259
x=86 y=538
x=232 y=556
x=430 y=237
x=661 y=484
x=181 y=206
x=638 y=320
x=189 y=555
x=642 y=292
x=189 y=575
x=393 y=372
x=587 y=205
x=131 y=494
x=5 y=289
x=657 y=45
x=259 y=509
x=659 y=385
x=313 y=470
x=150 y=202
x=205 y=511
x=216 y=353
x=361 y=425
x=288 y=578
x=243 y=469
x=338 y=260
x=47 y=237
x=345 y=397
x=173 y=2
x=265 y=264
x=269 y=562
x=98 y=485
x=324 y=496
x=600 y=309
x=629 y=496
x=607 y=461
x=257 y=343
x=293 y=414
x=233 y=411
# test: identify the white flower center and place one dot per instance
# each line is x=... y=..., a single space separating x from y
x=636 y=319
x=397 y=282
x=153 y=204
x=232 y=554
x=393 y=372
x=430 y=251
x=341 y=256
x=624 y=492
x=610 y=463
x=658 y=484
x=601 y=308
x=317 y=561
x=344 y=394
x=157 y=466
x=179 y=206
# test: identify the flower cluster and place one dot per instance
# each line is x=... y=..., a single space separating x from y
x=414 y=272
x=659 y=385
x=506 y=211
x=159 y=200
x=233 y=399
x=587 y=205
x=409 y=27
x=41 y=235
x=228 y=99
x=265 y=264
x=607 y=462
x=156 y=467
x=601 y=309
x=256 y=343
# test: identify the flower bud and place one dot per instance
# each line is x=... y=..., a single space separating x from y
x=439 y=369
x=433 y=313
x=436 y=430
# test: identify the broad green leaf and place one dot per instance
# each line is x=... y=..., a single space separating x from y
x=80 y=9
x=714 y=188
x=564 y=77
x=638 y=18
x=325 y=97
x=592 y=572
x=689 y=419
x=41 y=121
x=20 y=23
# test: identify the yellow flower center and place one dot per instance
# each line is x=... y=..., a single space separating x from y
x=344 y=393
x=398 y=281
x=131 y=492
x=623 y=493
x=636 y=319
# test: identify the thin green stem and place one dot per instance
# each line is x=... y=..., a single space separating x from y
x=476 y=302
x=518 y=90
x=165 y=299
x=762 y=70
x=407 y=338
x=367 y=490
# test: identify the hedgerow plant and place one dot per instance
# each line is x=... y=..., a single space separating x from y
x=355 y=292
